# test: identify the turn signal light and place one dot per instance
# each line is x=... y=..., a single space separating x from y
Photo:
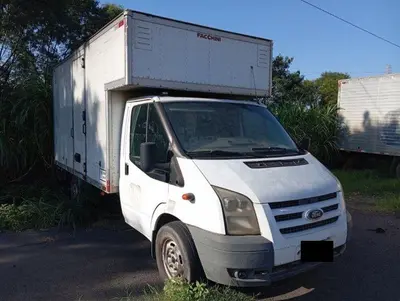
x=188 y=197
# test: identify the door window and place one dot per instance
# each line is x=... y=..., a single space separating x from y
x=146 y=126
x=138 y=132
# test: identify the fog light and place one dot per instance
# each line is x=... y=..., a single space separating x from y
x=240 y=274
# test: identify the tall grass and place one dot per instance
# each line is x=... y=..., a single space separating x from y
x=179 y=290
x=25 y=129
x=319 y=123
x=370 y=189
x=41 y=205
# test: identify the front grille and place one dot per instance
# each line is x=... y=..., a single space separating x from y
x=330 y=208
x=295 y=221
x=288 y=217
x=291 y=216
x=305 y=201
x=309 y=226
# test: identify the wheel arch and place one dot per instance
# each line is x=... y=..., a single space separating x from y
x=160 y=220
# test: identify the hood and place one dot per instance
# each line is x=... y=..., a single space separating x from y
x=279 y=179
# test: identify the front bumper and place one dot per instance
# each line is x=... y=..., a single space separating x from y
x=245 y=261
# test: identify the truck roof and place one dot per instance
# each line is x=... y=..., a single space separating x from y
x=127 y=11
x=369 y=77
x=189 y=99
x=130 y=11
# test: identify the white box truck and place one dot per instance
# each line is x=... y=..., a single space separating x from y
x=160 y=112
x=370 y=111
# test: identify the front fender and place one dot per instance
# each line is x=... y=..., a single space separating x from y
x=160 y=209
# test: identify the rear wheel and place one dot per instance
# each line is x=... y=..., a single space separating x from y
x=176 y=253
x=63 y=179
x=75 y=189
x=397 y=170
x=395 y=167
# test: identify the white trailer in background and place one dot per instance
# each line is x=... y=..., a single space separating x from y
x=209 y=176
x=370 y=110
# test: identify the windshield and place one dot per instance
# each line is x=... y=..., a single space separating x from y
x=228 y=129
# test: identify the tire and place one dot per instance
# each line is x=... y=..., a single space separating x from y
x=395 y=167
x=75 y=189
x=63 y=179
x=397 y=170
x=174 y=243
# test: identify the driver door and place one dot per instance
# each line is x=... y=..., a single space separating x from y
x=140 y=192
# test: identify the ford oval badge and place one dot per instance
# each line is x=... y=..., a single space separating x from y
x=314 y=214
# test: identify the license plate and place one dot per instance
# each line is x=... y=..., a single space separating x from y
x=316 y=251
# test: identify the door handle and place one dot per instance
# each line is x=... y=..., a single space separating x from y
x=126 y=169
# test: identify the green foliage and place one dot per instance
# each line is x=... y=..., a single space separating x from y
x=25 y=135
x=319 y=123
x=30 y=214
x=27 y=207
x=287 y=86
x=304 y=109
x=180 y=290
x=367 y=182
x=39 y=206
x=369 y=189
x=34 y=37
x=327 y=85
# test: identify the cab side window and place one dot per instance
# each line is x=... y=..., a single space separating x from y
x=137 y=132
x=146 y=126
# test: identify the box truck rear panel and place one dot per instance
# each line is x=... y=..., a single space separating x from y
x=63 y=115
x=370 y=108
x=137 y=50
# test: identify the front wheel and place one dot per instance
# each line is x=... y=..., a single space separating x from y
x=176 y=253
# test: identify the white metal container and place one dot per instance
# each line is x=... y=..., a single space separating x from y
x=134 y=51
x=370 y=109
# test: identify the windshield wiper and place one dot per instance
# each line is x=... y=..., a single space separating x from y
x=221 y=153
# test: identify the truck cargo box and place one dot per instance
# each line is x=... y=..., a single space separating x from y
x=134 y=51
x=370 y=109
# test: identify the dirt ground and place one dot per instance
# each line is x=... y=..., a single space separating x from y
x=103 y=264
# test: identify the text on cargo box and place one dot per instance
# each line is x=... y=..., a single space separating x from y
x=208 y=37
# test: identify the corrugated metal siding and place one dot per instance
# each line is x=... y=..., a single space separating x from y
x=370 y=108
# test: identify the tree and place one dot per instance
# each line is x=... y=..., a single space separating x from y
x=327 y=85
x=34 y=37
x=290 y=86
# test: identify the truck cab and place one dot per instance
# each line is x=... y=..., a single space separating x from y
x=222 y=191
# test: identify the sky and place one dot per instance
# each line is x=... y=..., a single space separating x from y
x=316 y=41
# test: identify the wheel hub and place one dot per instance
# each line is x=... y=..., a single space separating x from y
x=172 y=259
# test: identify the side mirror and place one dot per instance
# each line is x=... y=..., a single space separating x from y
x=305 y=143
x=147 y=156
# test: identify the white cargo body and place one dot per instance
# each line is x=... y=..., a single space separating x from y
x=136 y=51
x=370 y=109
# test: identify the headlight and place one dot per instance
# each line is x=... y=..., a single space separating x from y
x=240 y=217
